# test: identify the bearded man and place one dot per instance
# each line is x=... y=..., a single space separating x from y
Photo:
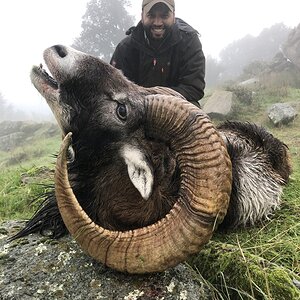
x=163 y=51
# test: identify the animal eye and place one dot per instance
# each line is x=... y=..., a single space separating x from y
x=122 y=112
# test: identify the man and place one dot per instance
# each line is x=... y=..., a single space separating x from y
x=163 y=51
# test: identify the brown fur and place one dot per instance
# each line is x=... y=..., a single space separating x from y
x=90 y=95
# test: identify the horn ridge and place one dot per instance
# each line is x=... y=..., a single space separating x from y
x=202 y=200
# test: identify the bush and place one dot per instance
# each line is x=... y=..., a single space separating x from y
x=242 y=94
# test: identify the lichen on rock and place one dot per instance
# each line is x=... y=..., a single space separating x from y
x=36 y=267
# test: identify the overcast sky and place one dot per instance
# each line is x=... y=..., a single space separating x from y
x=28 y=27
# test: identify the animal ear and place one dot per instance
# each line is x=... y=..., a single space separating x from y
x=139 y=170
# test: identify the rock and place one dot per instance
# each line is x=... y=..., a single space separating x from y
x=8 y=127
x=281 y=114
x=36 y=267
x=14 y=134
x=249 y=82
x=219 y=104
x=11 y=141
x=288 y=57
x=26 y=127
x=291 y=49
x=242 y=93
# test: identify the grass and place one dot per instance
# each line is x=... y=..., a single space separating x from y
x=260 y=262
x=253 y=263
x=24 y=174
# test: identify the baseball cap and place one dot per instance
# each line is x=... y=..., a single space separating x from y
x=147 y=4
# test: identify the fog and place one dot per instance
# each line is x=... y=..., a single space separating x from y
x=28 y=27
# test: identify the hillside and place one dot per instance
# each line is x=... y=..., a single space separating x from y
x=27 y=152
x=250 y=263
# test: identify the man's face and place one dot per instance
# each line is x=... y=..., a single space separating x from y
x=158 y=21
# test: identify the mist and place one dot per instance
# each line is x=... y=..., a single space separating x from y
x=233 y=36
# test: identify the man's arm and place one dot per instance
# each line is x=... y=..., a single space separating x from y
x=191 y=81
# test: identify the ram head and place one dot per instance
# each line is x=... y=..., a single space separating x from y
x=143 y=177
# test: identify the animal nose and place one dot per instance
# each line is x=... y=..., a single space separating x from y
x=61 y=50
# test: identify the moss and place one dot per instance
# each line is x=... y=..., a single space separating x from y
x=51 y=242
x=3 y=231
x=19 y=242
x=237 y=271
x=4 y=256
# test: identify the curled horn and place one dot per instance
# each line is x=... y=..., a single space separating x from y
x=205 y=173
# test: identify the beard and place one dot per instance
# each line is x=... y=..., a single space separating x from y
x=157 y=33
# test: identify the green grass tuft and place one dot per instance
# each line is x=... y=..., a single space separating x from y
x=24 y=174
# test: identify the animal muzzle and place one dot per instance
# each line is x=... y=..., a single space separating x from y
x=202 y=202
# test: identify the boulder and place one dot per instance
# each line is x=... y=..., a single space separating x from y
x=219 y=104
x=37 y=267
x=281 y=114
x=9 y=127
x=249 y=82
x=11 y=141
x=17 y=133
x=291 y=49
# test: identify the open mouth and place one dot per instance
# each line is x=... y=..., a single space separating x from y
x=158 y=31
x=39 y=73
x=63 y=64
x=46 y=85
x=48 y=77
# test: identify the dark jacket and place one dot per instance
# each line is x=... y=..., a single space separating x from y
x=179 y=62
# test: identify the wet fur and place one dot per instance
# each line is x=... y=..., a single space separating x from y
x=105 y=192
x=87 y=107
x=260 y=170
